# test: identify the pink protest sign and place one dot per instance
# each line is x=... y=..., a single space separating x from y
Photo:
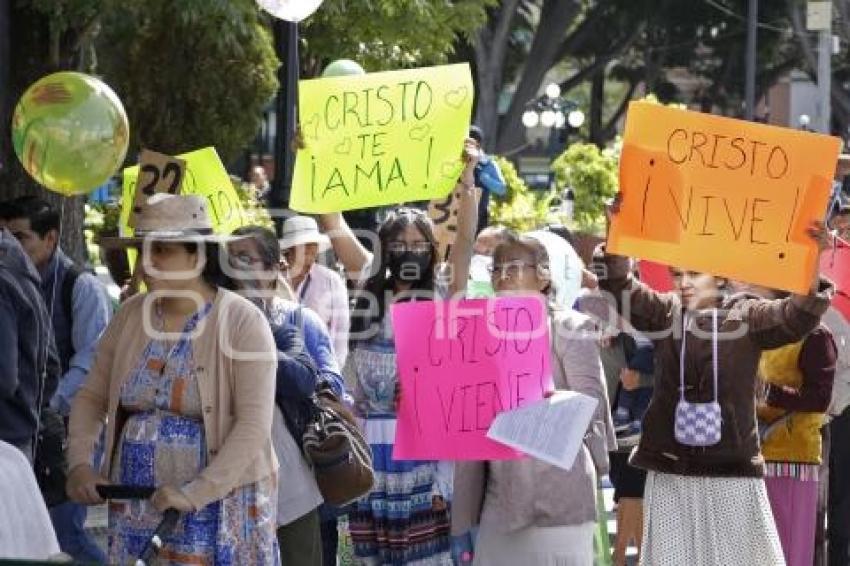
x=835 y=265
x=461 y=363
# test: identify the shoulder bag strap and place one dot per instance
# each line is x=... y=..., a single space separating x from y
x=682 y=357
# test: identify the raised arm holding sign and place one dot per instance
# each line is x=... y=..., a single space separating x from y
x=380 y=138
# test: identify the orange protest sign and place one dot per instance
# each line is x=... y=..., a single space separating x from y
x=722 y=196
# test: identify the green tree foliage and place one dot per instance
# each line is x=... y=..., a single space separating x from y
x=592 y=175
x=44 y=36
x=521 y=209
x=191 y=74
x=388 y=34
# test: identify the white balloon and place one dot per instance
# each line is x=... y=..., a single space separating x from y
x=290 y=10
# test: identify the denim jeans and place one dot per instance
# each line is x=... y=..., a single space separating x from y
x=635 y=401
x=69 y=520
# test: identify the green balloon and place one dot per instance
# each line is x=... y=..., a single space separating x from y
x=342 y=68
x=70 y=132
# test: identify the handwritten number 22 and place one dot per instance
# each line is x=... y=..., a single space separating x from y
x=170 y=170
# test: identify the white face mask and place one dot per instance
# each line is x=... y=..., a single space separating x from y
x=479 y=267
x=479 y=274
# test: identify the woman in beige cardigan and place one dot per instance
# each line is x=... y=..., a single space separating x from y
x=184 y=377
x=527 y=511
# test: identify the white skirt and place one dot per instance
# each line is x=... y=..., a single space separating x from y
x=698 y=521
x=535 y=546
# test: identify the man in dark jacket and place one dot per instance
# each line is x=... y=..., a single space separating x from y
x=79 y=307
x=27 y=378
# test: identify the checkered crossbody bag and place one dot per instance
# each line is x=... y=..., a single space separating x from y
x=698 y=424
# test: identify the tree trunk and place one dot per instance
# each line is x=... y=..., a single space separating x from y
x=555 y=18
x=597 y=104
x=24 y=57
x=490 y=48
x=610 y=130
x=5 y=85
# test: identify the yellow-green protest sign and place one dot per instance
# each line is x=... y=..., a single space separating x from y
x=381 y=138
x=205 y=176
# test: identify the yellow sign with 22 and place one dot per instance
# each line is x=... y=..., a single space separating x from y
x=205 y=176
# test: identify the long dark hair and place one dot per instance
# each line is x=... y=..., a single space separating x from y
x=212 y=273
x=267 y=244
x=364 y=317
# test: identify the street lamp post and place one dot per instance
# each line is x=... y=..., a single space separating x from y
x=288 y=14
x=552 y=111
x=286 y=111
x=750 y=60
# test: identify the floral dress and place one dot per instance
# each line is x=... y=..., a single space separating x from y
x=395 y=524
x=163 y=442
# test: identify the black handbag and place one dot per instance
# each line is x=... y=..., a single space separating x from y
x=51 y=464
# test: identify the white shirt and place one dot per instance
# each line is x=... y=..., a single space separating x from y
x=297 y=492
x=323 y=291
x=26 y=532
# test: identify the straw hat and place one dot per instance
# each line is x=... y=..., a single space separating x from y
x=172 y=218
x=300 y=230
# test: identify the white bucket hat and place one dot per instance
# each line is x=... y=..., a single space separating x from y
x=300 y=230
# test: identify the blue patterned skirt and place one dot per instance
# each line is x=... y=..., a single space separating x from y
x=395 y=524
x=158 y=448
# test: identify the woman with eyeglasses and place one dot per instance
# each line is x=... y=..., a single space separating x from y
x=405 y=518
x=256 y=261
x=526 y=511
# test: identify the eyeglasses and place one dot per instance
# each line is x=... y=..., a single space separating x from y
x=511 y=269
x=399 y=247
x=244 y=260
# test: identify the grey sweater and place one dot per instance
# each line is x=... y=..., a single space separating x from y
x=518 y=494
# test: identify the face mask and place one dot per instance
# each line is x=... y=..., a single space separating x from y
x=408 y=266
x=479 y=267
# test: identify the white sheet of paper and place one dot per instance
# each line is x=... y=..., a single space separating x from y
x=551 y=430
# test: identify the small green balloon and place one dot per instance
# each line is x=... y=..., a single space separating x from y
x=70 y=132
x=343 y=68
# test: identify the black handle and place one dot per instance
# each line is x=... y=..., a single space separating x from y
x=169 y=520
x=125 y=491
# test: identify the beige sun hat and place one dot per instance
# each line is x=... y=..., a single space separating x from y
x=300 y=230
x=173 y=218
